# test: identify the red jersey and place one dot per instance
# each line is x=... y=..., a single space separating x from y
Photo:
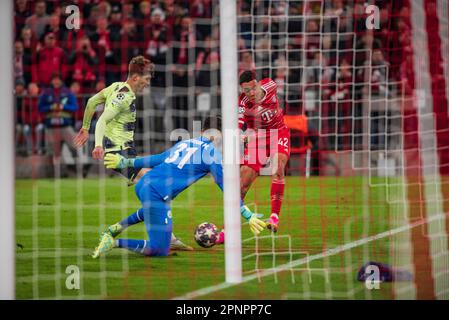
x=264 y=115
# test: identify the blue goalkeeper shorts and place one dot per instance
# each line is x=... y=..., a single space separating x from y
x=157 y=219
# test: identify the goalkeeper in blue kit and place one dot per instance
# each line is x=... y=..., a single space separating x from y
x=172 y=172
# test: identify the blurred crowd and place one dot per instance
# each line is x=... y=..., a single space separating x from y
x=311 y=59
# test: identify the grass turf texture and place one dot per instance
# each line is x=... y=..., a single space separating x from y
x=58 y=224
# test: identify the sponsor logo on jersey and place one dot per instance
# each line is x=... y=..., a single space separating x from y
x=267 y=116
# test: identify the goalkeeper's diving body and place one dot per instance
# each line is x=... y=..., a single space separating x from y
x=114 y=131
x=172 y=172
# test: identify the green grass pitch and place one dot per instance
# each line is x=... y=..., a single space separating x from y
x=58 y=224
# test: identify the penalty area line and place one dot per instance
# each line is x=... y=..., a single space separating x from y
x=306 y=260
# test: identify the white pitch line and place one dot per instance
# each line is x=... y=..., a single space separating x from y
x=298 y=262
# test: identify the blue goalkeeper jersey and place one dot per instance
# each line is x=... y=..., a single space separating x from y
x=180 y=166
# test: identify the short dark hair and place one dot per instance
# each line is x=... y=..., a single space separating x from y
x=212 y=123
x=247 y=76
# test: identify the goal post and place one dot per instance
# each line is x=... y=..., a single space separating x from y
x=231 y=174
x=7 y=257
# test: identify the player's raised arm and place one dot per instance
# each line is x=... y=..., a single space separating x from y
x=82 y=136
x=110 y=111
x=116 y=161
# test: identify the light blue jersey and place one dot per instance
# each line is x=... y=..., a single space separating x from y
x=172 y=172
x=180 y=166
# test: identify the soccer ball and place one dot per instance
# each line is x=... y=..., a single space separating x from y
x=206 y=234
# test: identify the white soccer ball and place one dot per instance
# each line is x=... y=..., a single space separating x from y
x=206 y=234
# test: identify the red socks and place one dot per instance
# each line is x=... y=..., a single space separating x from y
x=277 y=195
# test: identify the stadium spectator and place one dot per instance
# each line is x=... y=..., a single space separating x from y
x=104 y=8
x=171 y=16
x=101 y=35
x=157 y=43
x=184 y=52
x=336 y=8
x=156 y=48
x=49 y=59
x=379 y=94
x=76 y=89
x=103 y=45
x=280 y=76
x=29 y=50
x=58 y=106
x=24 y=143
x=82 y=64
x=19 y=61
x=379 y=71
x=130 y=45
x=29 y=127
x=21 y=13
x=201 y=11
x=407 y=74
x=315 y=70
x=27 y=38
x=364 y=45
x=341 y=102
x=74 y=36
x=39 y=20
x=115 y=22
x=246 y=61
x=127 y=10
x=311 y=41
x=207 y=63
x=157 y=19
x=263 y=56
x=384 y=32
x=54 y=26
x=143 y=15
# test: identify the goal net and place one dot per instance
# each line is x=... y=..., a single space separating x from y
x=367 y=111
x=363 y=87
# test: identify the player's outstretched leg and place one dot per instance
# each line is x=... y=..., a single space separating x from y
x=277 y=194
x=277 y=191
x=158 y=223
x=115 y=229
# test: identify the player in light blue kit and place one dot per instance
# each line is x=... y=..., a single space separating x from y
x=173 y=171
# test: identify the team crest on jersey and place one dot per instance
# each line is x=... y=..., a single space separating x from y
x=132 y=107
x=120 y=96
x=241 y=109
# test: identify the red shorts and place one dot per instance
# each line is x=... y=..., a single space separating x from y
x=263 y=145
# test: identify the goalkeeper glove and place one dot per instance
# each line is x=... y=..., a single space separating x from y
x=116 y=161
x=255 y=224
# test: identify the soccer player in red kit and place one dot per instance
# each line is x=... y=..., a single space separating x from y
x=262 y=127
x=266 y=136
